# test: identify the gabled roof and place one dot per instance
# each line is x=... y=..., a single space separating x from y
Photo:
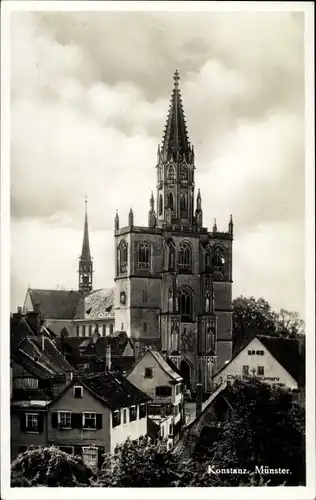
x=115 y=391
x=55 y=304
x=164 y=365
x=285 y=351
x=97 y=304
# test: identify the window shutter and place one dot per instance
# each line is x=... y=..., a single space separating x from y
x=100 y=456
x=40 y=422
x=54 y=420
x=76 y=420
x=99 y=420
x=22 y=422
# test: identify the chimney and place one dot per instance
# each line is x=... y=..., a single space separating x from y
x=69 y=376
x=136 y=349
x=108 y=358
x=33 y=318
x=19 y=310
x=199 y=392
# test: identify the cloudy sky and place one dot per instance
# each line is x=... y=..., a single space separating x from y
x=90 y=94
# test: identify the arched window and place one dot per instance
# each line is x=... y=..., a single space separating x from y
x=170 y=201
x=171 y=174
x=122 y=257
x=185 y=256
x=160 y=208
x=143 y=255
x=218 y=259
x=184 y=173
x=83 y=330
x=104 y=329
x=90 y=330
x=185 y=304
x=111 y=328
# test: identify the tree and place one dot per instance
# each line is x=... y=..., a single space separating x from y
x=265 y=429
x=252 y=316
x=48 y=466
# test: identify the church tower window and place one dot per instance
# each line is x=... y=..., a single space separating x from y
x=184 y=173
x=183 y=206
x=185 y=303
x=171 y=174
x=143 y=255
x=218 y=259
x=170 y=201
x=160 y=208
x=185 y=256
x=122 y=256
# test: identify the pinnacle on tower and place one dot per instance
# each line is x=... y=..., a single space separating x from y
x=131 y=218
x=215 y=226
x=198 y=201
x=231 y=224
x=116 y=221
x=175 y=140
x=152 y=202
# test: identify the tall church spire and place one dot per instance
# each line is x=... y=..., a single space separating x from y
x=85 y=262
x=175 y=143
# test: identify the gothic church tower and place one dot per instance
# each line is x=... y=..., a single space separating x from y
x=174 y=277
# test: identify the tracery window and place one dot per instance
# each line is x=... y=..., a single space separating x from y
x=185 y=256
x=122 y=256
x=184 y=173
x=171 y=174
x=218 y=259
x=185 y=303
x=170 y=201
x=143 y=255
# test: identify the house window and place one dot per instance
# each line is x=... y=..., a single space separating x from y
x=83 y=330
x=253 y=352
x=154 y=410
x=170 y=430
x=162 y=431
x=77 y=330
x=90 y=330
x=142 y=410
x=116 y=418
x=124 y=416
x=64 y=419
x=185 y=256
x=148 y=373
x=25 y=383
x=89 y=420
x=245 y=370
x=31 y=422
x=122 y=256
x=77 y=392
x=143 y=255
x=163 y=391
x=67 y=449
x=145 y=327
x=132 y=413
x=260 y=370
x=144 y=295
x=90 y=456
x=249 y=353
x=185 y=303
x=104 y=330
x=111 y=328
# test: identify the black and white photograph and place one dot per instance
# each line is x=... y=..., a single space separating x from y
x=157 y=251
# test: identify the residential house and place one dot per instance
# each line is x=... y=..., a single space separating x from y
x=38 y=372
x=96 y=353
x=94 y=414
x=274 y=360
x=158 y=378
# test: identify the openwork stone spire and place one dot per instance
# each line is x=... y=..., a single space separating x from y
x=175 y=143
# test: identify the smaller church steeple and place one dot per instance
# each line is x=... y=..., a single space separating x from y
x=198 y=211
x=85 y=261
x=215 y=226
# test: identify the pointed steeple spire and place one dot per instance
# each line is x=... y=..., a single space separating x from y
x=198 y=201
x=152 y=202
x=175 y=141
x=117 y=221
x=85 y=253
x=85 y=262
x=231 y=225
x=215 y=226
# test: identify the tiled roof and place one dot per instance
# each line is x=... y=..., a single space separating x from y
x=114 y=390
x=98 y=304
x=56 y=304
x=38 y=354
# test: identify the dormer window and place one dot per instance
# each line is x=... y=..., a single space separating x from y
x=77 y=392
